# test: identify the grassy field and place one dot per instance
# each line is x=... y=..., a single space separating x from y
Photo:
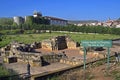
x=30 y=38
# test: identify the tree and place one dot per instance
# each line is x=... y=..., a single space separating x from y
x=29 y=20
x=6 y=21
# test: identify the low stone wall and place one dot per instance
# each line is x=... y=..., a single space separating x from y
x=71 y=45
x=70 y=62
x=50 y=58
x=46 y=45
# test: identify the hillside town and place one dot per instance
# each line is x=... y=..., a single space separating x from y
x=109 y=23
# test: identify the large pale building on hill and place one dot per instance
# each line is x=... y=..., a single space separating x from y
x=56 y=21
x=18 y=20
x=38 y=16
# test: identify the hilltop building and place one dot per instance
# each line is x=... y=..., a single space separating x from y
x=18 y=20
x=29 y=18
x=56 y=21
x=37 y=14
x=39 y=19
x=112 y=23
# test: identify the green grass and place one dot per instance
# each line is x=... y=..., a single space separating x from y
x=3 y=72
x=116 y=72
x=30 y=38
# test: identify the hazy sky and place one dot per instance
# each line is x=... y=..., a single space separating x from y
x=67 y=9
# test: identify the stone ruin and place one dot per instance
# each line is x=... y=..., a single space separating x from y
x=59 y=43
x=19 y=52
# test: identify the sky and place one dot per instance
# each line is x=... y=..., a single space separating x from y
x=66 y=9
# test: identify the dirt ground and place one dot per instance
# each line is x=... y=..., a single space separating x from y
x=100 y=73
x=78 y=53
x=96 y=73
x=69 y=52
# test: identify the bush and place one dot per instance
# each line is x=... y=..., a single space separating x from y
x=116 y=74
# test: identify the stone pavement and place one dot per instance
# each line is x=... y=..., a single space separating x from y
x=22 y=68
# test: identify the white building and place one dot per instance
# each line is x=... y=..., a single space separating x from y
x=80 y=24
x=37 y=14
x=56 y=21
x=118 y=26
x=18 y=20
x=99 y=24
x=92 y=24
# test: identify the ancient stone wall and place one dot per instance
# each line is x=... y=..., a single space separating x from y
x=46 y=44
x=59 y=43
x=71 y=45
x=21 y=53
